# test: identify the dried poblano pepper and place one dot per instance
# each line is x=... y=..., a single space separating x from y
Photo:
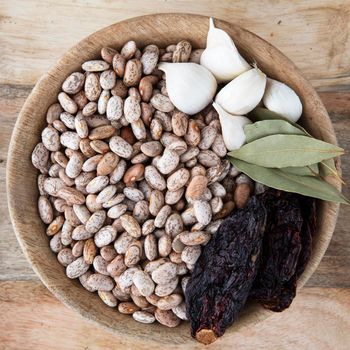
x=259 y=251
x=224 y=273
x=291 y=223
x=275 y=284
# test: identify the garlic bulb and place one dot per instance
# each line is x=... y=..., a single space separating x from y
x=190 y=86
x=221 y=56
x=281 y=99
x=232 y=128
x=243 y=93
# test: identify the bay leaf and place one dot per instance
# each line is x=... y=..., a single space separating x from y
x=261 y=113
x=280 y=151
x=302 y=129
x=305 y=185
x=308 y=170
x=265 y=128
x=327 y=167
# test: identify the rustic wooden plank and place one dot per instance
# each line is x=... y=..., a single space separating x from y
x=33 y=318
x=337 y=103
x=332 y=272
x=12 y=261
x=315 y=35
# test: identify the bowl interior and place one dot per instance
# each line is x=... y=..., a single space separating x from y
x=161 y=29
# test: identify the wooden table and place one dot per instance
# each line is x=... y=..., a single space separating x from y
x=314 y=34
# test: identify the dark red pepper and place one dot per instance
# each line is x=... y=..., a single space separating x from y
x=225 y=271
x=308 y=211
x=275 y=284
x=259 y=251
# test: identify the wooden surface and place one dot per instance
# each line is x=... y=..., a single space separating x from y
x=163 y=30
x=35 y=33
x=319 y=317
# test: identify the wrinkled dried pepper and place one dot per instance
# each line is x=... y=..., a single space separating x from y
x=308 y=211
x=225 y=271
x=258 y=251
x=275 y=284
x=291 y=223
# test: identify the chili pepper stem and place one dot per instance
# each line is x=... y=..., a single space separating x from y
x=206 y=336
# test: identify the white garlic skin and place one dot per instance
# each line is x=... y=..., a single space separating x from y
x=221 y=56
x=232 y=127
x=281 y=99
x=243 y=93
x=191 y=87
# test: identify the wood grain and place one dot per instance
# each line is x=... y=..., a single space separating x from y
x=21 y=177
x=313 y=34
x=319 y=318
x=12 y=261
x=319 y=46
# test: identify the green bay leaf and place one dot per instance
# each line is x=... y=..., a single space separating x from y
x=265 y=128
x=261 y=113
x=280 y=151
x=301 y=128
x=305 y=185
x=327 y=167
x=308 y=170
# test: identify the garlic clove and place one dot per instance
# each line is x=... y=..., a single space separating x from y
x=281 y=99
x=191 y=87
x=243 y=93
x=221 y=56
x=232 y=127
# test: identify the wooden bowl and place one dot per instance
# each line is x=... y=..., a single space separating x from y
x=161 y=29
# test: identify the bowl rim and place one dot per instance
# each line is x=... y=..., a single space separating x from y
x=256 y=316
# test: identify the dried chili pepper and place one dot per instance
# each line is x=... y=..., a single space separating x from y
x=291 y=223
x=308 y=211
x=260 y=250
x=275 y=284
x=225 y=271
